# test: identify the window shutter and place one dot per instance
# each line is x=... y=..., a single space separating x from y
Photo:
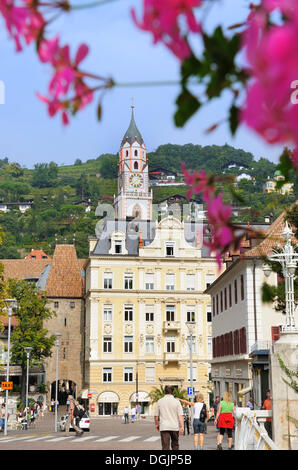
x=275 y=333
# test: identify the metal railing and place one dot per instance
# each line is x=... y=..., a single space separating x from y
x=250 y=433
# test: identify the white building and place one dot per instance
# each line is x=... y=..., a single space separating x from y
x=241 y=322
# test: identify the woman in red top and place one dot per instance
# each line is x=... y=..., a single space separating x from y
x=225 y=420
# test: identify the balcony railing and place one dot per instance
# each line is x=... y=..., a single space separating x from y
x=261 y=346
x=171 y=357
x=250 y=433
x=171 y=325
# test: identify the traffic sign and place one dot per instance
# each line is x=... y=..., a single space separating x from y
x=190 y=391
x=89 y=395
x=7 y=385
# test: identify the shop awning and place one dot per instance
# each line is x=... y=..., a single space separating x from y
x=142 y=396
x=108 y=397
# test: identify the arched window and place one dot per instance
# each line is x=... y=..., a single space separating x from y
x=136 y=153
x=126 y=153
x=136 y=165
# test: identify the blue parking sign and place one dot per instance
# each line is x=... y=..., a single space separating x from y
x=190 y=391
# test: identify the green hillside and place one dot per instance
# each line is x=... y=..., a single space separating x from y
x=57 y=190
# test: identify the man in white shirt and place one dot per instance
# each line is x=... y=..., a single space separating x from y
x=169 y=420
x=126 y=415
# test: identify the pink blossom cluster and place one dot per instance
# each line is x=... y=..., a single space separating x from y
x=272 y=55
x=22 y=20
x=223 y=236
x=163 y=19
x=25 y=24
x=66 y=75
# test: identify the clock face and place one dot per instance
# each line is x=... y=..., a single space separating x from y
x=136 y=180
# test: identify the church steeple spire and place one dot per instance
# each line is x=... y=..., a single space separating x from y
x=132 y=134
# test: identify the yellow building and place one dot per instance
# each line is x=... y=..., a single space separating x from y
x=144 y=297
x=270 y=184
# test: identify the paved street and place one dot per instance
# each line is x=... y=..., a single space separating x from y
x=105 y=434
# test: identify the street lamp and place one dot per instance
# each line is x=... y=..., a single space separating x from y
x=57 y=335
x=28 y=351
x=190 y=345
x=288 y=259
x=10 y=305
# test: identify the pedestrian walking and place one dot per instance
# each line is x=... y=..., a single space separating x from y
x=250 y=403
x=71 y=418
x=201 y=413
x=139 y=408
x=169 y=419
x=126 y=415
x=216 y=405
x=133 y=414
x=52 y=405
x=2 y=417
x=186 y=418
x=267 y=406
x=225 y=420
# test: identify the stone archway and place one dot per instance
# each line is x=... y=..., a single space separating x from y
x=65 y=387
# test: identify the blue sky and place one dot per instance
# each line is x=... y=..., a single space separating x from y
x=120 y=50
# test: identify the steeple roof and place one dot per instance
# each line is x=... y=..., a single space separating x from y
x=132 y=134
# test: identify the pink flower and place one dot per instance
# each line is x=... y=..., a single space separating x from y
x=161 y=18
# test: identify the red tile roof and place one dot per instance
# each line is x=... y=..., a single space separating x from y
x=65 y=278
x=37 y=254
x=23 y=269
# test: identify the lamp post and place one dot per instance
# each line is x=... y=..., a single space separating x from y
x=28 y=351
x=190 y=344
x=57 y=342
x=10 y=305
x=288 y=259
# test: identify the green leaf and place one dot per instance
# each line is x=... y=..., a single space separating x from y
x=234 y=118
x=188 y=104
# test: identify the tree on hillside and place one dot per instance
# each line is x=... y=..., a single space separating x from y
x=108 y=165
x=45 y=174
x=31 y=314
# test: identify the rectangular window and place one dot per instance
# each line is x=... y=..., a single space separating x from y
x=194 y=374
x=209 y=279
x=107 y=280
x=221 y=302
x=56 y=304
x=170 y=249
x=150 y=313
x=170 y=313
x=107 y=313
x=217 y=310
x=118 y=246
x=128 y=313
x=209 y=313
x=150 y=375
x=190 y=315
x=128 y=344
x=107 y=375
x=242 y=286
x=149 y=281
x=170 y=281
x=190 y=282
x=72 y=304
x=107 y=344
x=225 y=298
x=128 y=281
x=235 y=291
x=149 y=345
x=128 y=374
x=230 y=295
x=171 y=346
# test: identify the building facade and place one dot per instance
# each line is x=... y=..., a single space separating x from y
x=145 y=282
x=242 y=324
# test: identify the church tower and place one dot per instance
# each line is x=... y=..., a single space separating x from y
x=134 y=201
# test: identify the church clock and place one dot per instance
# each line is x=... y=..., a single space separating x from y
x=136 y=180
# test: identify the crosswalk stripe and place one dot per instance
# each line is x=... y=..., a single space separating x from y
x=105 y=439
x=152 y=439
x=57 y=439
x=81 y=439
x=33 y=439
x=128 y=439
x=11 y=439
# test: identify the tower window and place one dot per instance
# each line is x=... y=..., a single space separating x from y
x=136 y=166
x=126 y=153
x=136 y=153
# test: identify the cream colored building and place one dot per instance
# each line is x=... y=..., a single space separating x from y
x=144 y=291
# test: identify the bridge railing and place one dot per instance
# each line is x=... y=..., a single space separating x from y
x=250 y=432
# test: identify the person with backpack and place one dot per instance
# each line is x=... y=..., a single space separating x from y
x=73 y=413
x=199 y=419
